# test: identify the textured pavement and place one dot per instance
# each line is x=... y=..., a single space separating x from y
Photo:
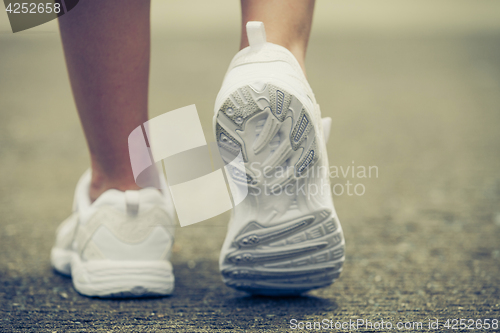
x=422 y=241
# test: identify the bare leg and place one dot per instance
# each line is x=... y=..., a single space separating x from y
x=107 y=49
x=287 y=22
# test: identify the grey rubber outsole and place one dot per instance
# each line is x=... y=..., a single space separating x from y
x=297 y=255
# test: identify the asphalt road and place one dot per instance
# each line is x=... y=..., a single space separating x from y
x=422 y=241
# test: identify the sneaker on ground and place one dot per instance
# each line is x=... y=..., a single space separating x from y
x=284 y=237
x=119 y=245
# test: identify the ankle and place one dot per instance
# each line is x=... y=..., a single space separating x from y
x=100 y=184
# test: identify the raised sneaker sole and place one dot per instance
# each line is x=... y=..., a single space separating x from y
x=271 y=126
x=122 y=279
x=291 y=258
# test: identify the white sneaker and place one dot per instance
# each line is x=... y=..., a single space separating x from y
x=119 y=245
x=285 y=237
